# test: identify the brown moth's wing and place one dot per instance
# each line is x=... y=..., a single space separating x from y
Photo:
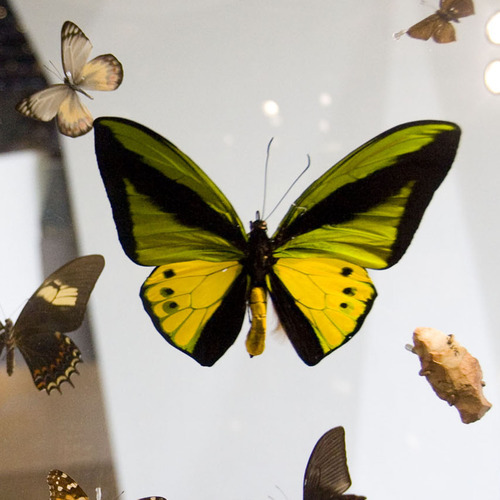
x=426 y=28
x=444 y=33
x=457 y=8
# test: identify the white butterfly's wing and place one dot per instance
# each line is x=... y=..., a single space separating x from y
x=102 y=73
x=44 y=105
x=75 y=51
x=73 y=118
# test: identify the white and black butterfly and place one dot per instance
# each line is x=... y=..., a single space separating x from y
x=58 y=306
x=63 y=487
x=327 y=475
x=104 y=72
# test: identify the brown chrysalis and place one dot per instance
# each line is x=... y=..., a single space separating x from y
x=438 y=25
x=453 y=373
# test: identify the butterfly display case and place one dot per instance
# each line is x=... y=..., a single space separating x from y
x=219 y=79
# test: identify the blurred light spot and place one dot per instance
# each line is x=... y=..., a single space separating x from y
x=493 y=28
x=325 y=99
x=341 y=386
x=228 y=140
x=492 y=77
x=3 y=12
x=412 y=441
x=270 y=108
x=324 y=126
x=235 y=425
x=333 y=147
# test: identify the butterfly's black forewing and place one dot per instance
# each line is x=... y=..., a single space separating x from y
x=60 y=302
x=57 y=306
x=327 y=476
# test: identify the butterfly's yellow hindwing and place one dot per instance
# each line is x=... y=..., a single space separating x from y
x=334 y=296
x=184 y=296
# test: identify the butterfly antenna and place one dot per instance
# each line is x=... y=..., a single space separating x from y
x=291 y=186
x=280 y=490
x=399 y=34
x=265 y=176
x=53 y=70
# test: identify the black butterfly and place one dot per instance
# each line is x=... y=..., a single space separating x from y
x=327 y=476
x=63 y=487
x=58 y=306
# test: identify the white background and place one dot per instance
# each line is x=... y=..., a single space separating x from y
x=198 y=72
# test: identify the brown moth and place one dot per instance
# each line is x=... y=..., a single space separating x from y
x=438 y=25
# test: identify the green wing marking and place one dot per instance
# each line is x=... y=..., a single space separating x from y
x=367 y=207
x=165 y=208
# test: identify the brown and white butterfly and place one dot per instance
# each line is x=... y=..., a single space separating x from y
x=56 y=307
x=104 y=72
x=438 y=25
x=63 y=487
x=327 y=475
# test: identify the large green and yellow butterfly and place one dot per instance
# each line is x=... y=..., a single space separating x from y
x=362 y=213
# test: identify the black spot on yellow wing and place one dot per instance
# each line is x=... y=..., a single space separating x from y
x=346 y=271
x=197 y=306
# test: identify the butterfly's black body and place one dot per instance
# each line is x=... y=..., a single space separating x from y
x=7 y=341
x=259 y=259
